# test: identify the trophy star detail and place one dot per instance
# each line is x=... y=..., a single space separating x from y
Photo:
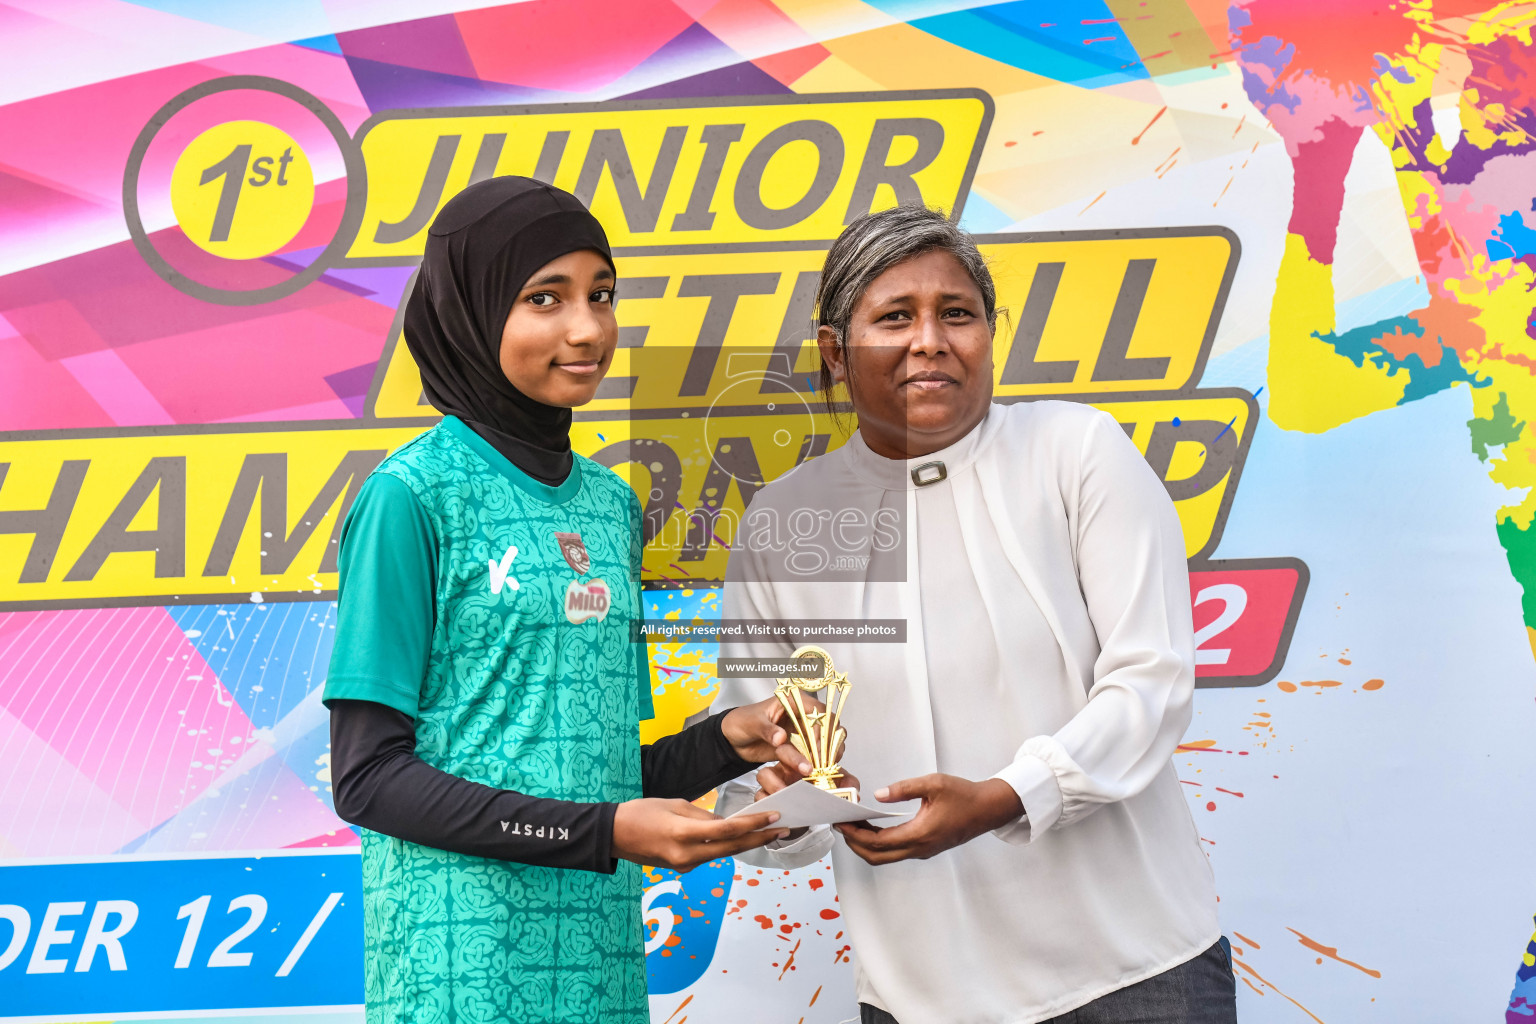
x=818 y=734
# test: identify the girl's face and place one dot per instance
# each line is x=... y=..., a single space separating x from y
x=560 y=336
x=919 y=357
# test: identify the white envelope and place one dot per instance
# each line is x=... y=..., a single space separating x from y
x=803 y=804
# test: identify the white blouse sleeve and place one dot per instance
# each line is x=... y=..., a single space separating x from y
x=1134 y=579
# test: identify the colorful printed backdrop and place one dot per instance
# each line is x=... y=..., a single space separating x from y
x=1290 y=245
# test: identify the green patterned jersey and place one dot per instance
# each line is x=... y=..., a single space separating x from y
x=496 y=611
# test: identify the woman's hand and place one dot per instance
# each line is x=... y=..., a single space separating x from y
x=755 y=733
x=954 y=811
x=675 y=834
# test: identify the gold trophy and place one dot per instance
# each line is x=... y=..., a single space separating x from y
x=818 y=734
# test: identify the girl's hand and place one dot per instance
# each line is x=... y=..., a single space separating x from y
x=954 y=811
x=755 y=733
x=773 y=777
x=675 y=834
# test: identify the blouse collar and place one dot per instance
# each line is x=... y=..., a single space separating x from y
x=911 y=474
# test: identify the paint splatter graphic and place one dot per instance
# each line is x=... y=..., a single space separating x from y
x=682 y=673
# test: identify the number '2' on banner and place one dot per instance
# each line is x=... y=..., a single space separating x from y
x=1245 y=612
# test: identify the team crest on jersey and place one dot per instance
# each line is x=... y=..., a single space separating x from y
x=589 y=600
x=575 y=552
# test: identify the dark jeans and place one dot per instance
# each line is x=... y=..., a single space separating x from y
x=1201 y=991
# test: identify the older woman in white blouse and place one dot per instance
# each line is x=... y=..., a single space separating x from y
x=1052 y=870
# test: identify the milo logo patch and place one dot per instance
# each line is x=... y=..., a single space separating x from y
x=589 y=600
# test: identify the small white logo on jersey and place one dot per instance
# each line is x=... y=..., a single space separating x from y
x=499 y=577
x=504 y=825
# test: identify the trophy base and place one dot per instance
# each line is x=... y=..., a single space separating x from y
x=823 y=779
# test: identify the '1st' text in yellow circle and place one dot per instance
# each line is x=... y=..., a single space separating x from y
x=242 y=189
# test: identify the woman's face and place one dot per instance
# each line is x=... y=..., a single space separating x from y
x=560 y=336
x=919 y=360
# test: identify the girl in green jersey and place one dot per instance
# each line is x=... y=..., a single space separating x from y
x=485 y=689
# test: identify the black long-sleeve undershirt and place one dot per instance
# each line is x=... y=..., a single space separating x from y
x=379 y=783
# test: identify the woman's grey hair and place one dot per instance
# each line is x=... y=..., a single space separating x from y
x=874 y=244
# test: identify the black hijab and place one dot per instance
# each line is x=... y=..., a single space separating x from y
x=481 y=249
